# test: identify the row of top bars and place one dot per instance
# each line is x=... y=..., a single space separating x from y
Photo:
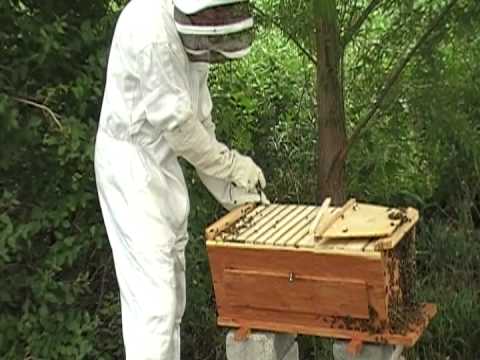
x=284 y=225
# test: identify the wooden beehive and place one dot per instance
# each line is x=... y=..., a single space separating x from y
x=335 y=272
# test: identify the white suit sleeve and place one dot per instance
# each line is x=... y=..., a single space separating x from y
x=224 y=191
x=228 y=195
x=166 y=98
x=165 y=95
x=219 y=188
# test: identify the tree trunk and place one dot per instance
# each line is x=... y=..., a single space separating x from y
x=330 y=103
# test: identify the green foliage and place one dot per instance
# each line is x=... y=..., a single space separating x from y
x=52 y=244
x=448 y=259
x=263 y=105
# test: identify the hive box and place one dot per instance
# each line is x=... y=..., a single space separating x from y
x=271 y=273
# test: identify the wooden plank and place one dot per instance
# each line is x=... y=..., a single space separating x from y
x=243 y=224
x=355 y=347
x=301 y=222
x=338 y=244
x=297 y=293
x=326 y=250
x=261 y=220
x=254 y=217
x=299 y=235
x=278 y=259
x=307 y=324
x=268 y=225
x=274 y=224
x=351 y=245
x=271 y=236
x=242 y=334
x=250 y=234
x=326 y=222
x=370 y=247
x=304 y=239
x=392 y=241
x=348 y=246
x=227 y=221
x=364 y=221
x=302 y=263
x=320 y=214
x=357 y=244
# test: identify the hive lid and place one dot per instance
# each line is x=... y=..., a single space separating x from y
x=361 y=221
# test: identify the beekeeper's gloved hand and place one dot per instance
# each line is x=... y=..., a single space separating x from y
x=239 y=196
x=231 y=196
x=247 y=174
x=192 y=141
x=225 y=192
x=263 y=199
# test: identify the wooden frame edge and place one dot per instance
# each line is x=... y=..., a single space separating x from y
x=408 y=340
x=228 y=220
x=363 y=254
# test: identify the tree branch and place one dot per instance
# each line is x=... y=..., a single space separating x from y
x=388 y=84
x=42 y=107
x=355 y=28
x=288 y=34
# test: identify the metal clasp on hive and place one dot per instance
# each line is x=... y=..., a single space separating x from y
x=291 y=277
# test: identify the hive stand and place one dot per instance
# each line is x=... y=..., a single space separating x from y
x=262 y=346
x=368 y=352
x=278 y=346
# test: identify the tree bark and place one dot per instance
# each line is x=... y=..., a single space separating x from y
x=330 y=103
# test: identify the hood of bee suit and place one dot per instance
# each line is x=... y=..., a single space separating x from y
x=214 y=31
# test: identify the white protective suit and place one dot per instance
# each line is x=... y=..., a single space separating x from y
x=156 y=106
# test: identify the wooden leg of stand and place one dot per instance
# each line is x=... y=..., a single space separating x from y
x=355 y=347
x=242 y=334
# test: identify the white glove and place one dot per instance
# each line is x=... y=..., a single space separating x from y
x=228 y=195
x=246 y=173
x=192 y=141
x=225 y=192
x=240 y=196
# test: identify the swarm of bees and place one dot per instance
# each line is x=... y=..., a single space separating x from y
x=246 y=222
x=404 y=309
x=398 y=214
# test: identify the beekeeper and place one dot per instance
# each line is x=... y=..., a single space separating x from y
x=157 y=107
